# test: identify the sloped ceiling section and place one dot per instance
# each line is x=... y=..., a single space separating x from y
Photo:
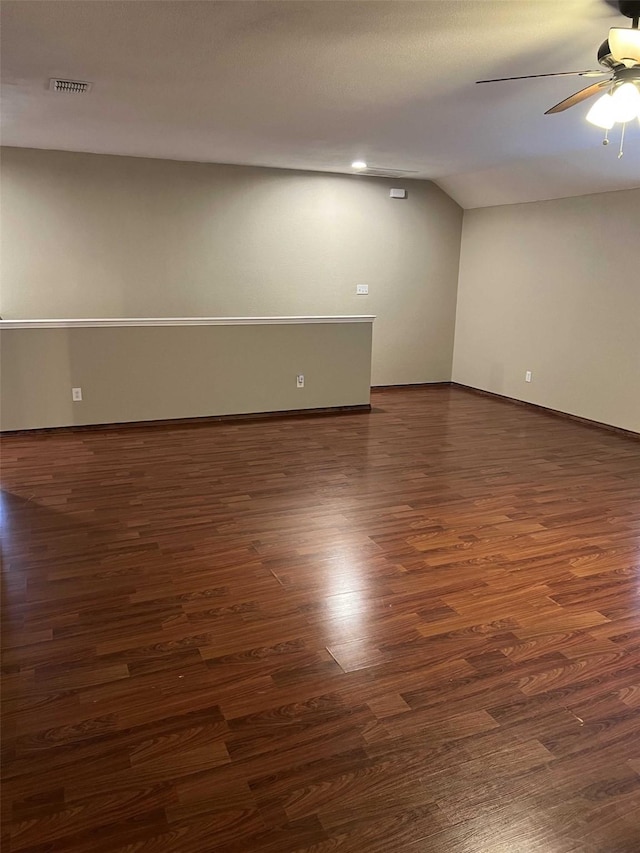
x=315 y=85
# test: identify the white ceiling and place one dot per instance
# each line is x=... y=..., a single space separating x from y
x=314 y=85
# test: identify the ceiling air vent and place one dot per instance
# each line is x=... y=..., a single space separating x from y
x=75 y=87
x=375 y=172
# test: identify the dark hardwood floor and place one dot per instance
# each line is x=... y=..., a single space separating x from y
x=411 y=630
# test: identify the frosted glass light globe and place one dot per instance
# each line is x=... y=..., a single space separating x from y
x=625 y=102
x=601 y=113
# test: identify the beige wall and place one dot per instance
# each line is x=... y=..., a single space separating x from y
x=155 y=373
x=554 y=287
x=89 y=235
x=550 y=287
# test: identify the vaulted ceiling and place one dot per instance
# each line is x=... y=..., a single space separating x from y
x=315 y=85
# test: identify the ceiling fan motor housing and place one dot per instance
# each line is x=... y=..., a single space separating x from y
x=630 y=8
x=604 y=55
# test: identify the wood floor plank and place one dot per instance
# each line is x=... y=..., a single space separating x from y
x=411 y=629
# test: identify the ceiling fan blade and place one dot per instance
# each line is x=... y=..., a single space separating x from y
x=578 y=97
x=556 y=74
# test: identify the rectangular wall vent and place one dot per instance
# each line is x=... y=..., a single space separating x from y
x=77 y=87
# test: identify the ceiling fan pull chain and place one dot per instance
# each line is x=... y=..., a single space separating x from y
x=621 y=152
x=605 y=141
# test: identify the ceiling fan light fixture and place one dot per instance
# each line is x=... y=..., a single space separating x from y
x=624 y=45
x=601 y=113
x=622 y=106
x=625 y=102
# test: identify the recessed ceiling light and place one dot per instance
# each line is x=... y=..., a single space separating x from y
x=358 y=164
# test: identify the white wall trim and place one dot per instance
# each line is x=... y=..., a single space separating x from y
x=182 y=321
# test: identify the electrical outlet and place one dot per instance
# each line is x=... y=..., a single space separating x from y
x=527 y=376
x=76 y=395
x=300 y=381
x=362 y=289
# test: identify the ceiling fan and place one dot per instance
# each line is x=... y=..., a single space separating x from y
x=619 y=55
